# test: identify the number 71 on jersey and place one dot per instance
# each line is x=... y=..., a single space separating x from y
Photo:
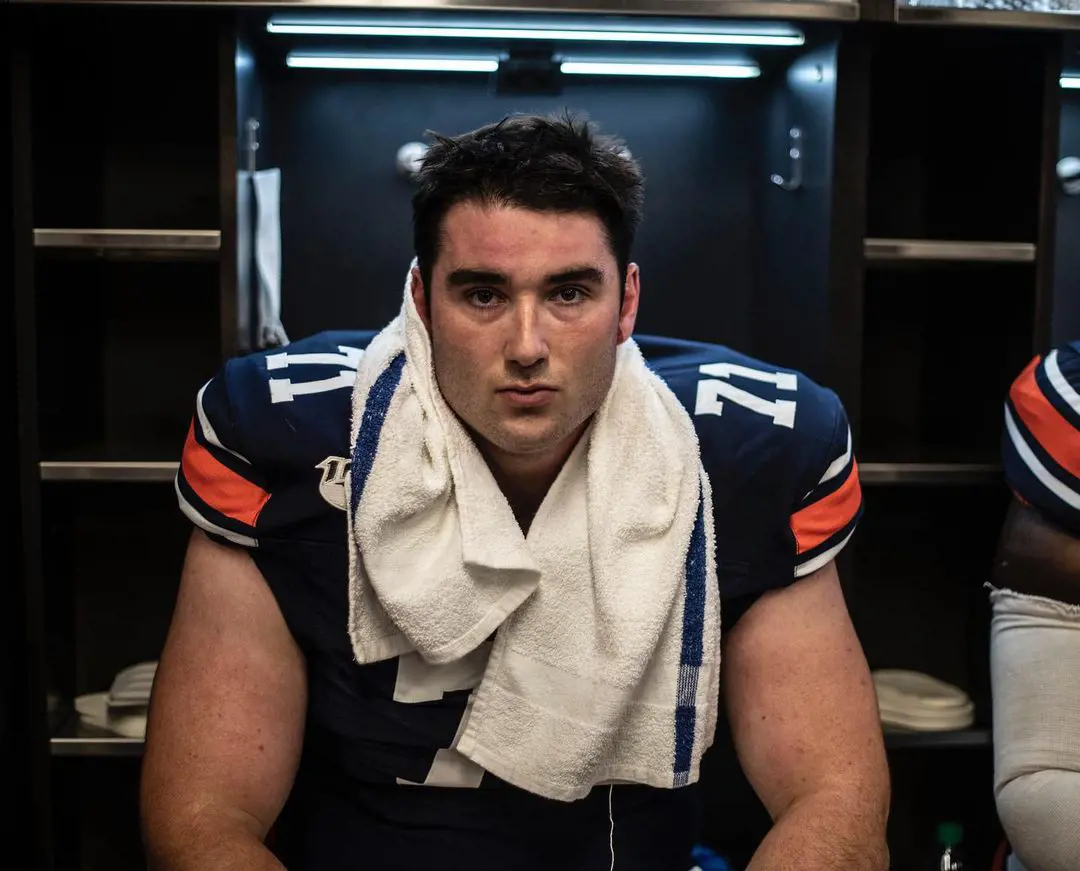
x=710 y=391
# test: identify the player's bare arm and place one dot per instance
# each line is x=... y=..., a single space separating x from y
x=226 y=719
x=806 y=729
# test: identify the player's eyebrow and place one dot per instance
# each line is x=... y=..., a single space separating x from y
x=461 y=277
x=588 y=274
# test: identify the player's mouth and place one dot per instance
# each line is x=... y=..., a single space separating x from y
x=530 y=395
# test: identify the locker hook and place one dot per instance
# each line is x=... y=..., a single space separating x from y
x=794 y=179
x=1068 y=173
x=252 y=127
x=409 y=159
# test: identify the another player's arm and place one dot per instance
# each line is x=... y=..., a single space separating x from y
x=1031 y=683
x=1039 y=547
x=1033 y=643
x=226 y=719
x=1037 y=558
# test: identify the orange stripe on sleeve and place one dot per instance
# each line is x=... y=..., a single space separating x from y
x=816 y=523
x=218 y=485
x=1054 y=433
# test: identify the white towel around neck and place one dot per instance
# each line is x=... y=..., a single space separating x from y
x=605 y=660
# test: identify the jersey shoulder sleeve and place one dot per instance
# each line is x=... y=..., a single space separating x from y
x=261 y=419
x=824 y=519
x=777 y=448
x=1041 y=441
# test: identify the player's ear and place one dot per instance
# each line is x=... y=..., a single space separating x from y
x=631 y=296
x=416 y=282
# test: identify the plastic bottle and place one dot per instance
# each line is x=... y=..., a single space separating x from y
x=950 y=855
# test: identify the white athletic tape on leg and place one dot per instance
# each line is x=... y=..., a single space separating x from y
x=1035 y=673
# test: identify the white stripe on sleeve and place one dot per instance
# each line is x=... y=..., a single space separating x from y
x=821 y=559
x=839 y=464
x=195 y=517
x=208 y=429
x=1061 y=385
x=1065 y=494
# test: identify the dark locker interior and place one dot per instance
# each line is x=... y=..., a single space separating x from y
x=709 y=263
x=906 y=133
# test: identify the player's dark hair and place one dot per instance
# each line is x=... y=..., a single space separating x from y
x=544 y=163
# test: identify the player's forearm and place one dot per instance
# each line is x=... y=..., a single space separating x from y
x=207 y=842
x=828 y=831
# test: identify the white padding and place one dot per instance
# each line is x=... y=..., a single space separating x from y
x=1035 y=672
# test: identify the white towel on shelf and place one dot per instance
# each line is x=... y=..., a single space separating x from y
x=245 y=255
x=605 y=660
x=913 y=700
x=131 y=687
x=270 y=333
x=122 y=710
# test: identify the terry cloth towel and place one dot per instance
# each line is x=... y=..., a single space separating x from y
x=270 y=331
x=604 y=667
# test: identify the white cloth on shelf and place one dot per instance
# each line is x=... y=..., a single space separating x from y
x=270 y=332
x=914 y=700
x=122 y=709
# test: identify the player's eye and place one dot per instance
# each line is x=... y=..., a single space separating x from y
x=482 y=297
x=570 y=295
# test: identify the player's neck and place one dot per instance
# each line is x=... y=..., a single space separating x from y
x=526 y=478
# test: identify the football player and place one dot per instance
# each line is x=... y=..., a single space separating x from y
x=258 y=698
x=1035 y=636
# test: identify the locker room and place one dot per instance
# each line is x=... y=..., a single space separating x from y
x=886 y=198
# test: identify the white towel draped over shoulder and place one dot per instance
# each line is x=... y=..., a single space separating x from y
x=605 y=660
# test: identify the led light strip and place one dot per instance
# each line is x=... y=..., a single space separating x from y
x=565 y=34
x=705 y=71
x=490 y=65
x=410 y=64
x=1072 y=82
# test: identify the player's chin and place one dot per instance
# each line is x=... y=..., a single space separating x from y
x=528 y=435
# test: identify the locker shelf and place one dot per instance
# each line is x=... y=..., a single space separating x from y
x=825 y=10
x=944 y=15
x=932 y=250
x=56 y=470
x=130 y=243
x=898 y=739
x=76 y=739
x=929 y=473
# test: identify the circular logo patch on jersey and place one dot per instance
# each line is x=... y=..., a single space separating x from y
x=332 y=485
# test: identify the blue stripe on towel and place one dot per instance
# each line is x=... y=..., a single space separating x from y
x=692 y=647
x=367 y=439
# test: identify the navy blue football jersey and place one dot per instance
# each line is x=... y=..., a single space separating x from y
x=1041 y=442
x=264 y=468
